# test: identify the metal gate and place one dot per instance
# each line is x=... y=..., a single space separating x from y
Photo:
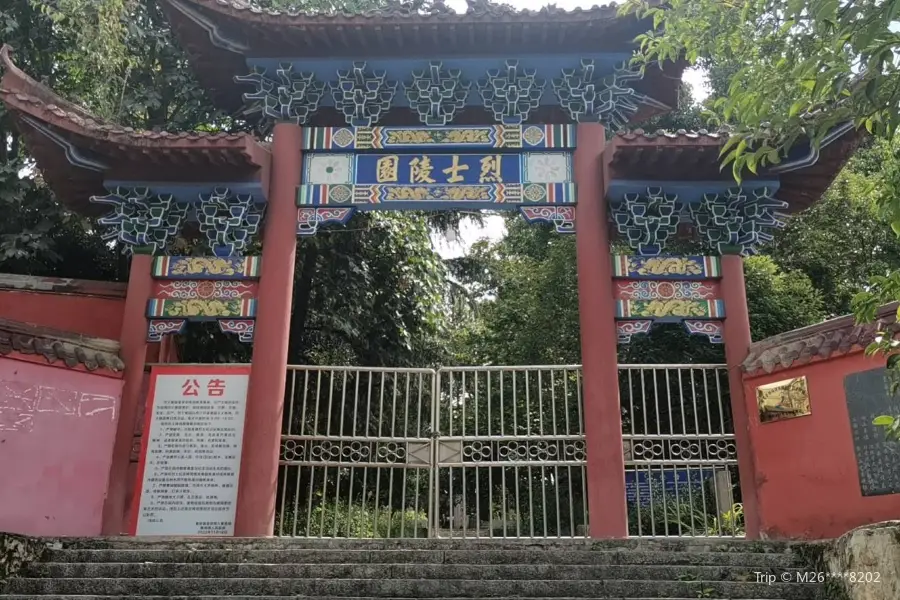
x=357 y=453
x=680 y=454
x=510 y=457
x=487 y=452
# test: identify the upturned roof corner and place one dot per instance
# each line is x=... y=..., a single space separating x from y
x=77 y=151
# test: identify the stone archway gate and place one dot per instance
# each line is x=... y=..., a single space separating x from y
x=499 y=452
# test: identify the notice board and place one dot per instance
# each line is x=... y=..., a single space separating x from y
x=878 y=459
x=191 y=450
x=648 y=485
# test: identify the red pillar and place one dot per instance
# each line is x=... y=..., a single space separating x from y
x=737 y=346
x=265 y=399
x=602 y=413
x=133 y=349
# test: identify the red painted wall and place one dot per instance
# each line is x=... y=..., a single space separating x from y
x=94 y=316
x=806 y=472
x=92 y=308
x=57 y=428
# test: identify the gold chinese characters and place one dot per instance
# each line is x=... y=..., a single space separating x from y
x=421 y=170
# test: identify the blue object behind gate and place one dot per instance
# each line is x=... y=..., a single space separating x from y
x=667 y=480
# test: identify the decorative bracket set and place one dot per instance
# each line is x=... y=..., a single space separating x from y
x=144 y=219
x=668 y=289
x=188 y=288
x=732 y=222
x=437 y=93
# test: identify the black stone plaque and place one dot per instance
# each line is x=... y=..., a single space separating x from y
x=877 y=458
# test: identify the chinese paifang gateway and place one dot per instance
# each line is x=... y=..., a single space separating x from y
x=399 y=110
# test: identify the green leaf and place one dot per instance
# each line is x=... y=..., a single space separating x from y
x=893 y=361
x=751 y=163
x=895 y=225
x=729 y=143
x=870 y=89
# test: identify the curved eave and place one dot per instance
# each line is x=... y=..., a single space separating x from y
x=803 y=187
x=694 y=156
x=218 y=37
x=77 y=152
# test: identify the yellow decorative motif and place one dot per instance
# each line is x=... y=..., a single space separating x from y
x=783 y=400
x=202 y=308
x=342 y=137
x=533 y=135
x=670 y=308
x=459 y=193
x=409 y=136
x=204 y=266
x=535 y=192
x=365 y=138
x=468 y=193
x=340 y=194
x=468 y=136
x=665 y=265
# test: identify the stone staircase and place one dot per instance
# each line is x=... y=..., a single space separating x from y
x=87 y=569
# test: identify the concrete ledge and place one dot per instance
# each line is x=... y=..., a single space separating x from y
x=503 y=556
x=466 y=572
x=658 y=544
x=413 y=588
x=16 y=552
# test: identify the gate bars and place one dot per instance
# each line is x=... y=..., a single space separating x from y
x=510 y=456
x=680 y=452
x=498 y=452
x=357 y=455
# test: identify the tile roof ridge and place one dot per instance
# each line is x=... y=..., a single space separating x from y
x=823 y=340
x=631 y=134
x=885 y=314
x=477 y=9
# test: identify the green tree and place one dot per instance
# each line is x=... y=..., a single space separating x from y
x=370 y=293
x=529 y=308
x=38 y=236
x=796 y=69
x=846 y=218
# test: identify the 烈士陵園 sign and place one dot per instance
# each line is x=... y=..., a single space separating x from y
x=443 y=178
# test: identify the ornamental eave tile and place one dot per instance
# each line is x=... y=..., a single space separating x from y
x=663 y=136
x=56 y=345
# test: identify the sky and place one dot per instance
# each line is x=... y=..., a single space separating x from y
x=494 y=228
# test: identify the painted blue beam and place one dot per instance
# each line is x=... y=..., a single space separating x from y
x=547 y=66
x=190 y=192
x=687 y=191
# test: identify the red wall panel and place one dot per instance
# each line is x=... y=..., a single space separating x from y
x=806 y=471
x=57 y=428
